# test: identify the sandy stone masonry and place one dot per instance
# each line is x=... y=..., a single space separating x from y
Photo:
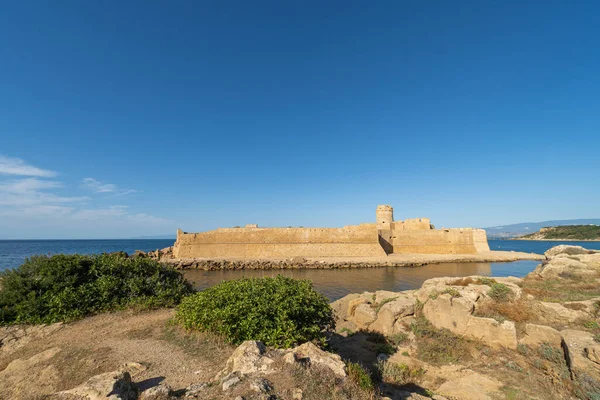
x=386 y=236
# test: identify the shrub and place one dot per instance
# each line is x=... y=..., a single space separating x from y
x=500 y=292
x=280 y=312
x=67 y=287
x=359 y=375
x=398 y=338
x=398 y=374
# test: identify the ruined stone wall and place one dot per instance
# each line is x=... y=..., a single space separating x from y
x=413 y=224
x=439 y=241
x=357 y=240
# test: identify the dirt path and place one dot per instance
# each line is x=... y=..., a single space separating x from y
x=76 y=351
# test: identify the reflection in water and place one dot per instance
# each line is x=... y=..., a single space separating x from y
x=336 y=283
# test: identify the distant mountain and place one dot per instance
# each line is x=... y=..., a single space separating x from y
x=524 y=228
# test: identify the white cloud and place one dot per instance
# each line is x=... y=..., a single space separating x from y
x=16 y=166
x=100 y=187
x=31 y=202
x=31 y=191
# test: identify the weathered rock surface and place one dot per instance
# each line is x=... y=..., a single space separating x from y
x=308 y=353
x=535 y=335
x=470 y=386
x=582 y=351
x=14 y=337
x=247 y=359
x=114 y=385
x=565 y=249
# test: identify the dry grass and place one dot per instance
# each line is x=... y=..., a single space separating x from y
x=439 y=346
x=516 y=311
x=560 y=290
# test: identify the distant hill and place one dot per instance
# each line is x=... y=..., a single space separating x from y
x=525 y=228
x=566 y=232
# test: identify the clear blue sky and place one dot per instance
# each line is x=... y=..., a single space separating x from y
x=130 y=118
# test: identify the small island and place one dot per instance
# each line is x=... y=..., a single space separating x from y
x=566 y=232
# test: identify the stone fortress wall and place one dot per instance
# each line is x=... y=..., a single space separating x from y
x=384 y=237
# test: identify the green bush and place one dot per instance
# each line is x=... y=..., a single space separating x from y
x=280 y=312
x=67 y=287
x=359 y=375
x=500 y=292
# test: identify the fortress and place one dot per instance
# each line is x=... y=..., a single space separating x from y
x=385 y=237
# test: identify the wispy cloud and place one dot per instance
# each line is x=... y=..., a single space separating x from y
x=101 y=187
x=16 y=166
x=28 y=195
x=32 y=191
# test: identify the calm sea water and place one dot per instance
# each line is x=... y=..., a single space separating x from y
x=332 y=283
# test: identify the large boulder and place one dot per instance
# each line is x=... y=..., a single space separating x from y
x=565 y=249
x=455 y=314
x=471 y=385
x=114 y=385
x=310 y=354
x=581 y=352
x=535 y=335
x=565 y=267
x=247 y=359
x=557 y=314
x=364 y=315
x=390 y=312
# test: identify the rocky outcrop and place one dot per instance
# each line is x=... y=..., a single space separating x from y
x=309 y=354
x=248 y=358
x=14 y=337
x=114 y=385
x=565 y=249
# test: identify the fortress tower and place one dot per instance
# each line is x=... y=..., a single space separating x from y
x=385 y=223
x=384 y=217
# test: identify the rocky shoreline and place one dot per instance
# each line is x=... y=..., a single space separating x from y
x=473 y=338
x=395 y=260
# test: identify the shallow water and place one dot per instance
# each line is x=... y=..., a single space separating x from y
x=336 y=283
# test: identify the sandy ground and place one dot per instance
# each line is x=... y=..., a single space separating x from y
x=79 y=350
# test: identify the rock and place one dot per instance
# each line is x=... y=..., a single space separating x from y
x=248 y=358
x=592 y=353
x=195 y=390
x=535 y=335
x=261 y=385
x=115 y=385
x=567 y=268
x=23 y=377
x=354 y=303
x=160 y=392
x=381 y=295
x=555 y=313
x=390 y=313
x=565 y=249
x=230 y=382
x=297 y=394
x=578 y=358
x=470 y=386
x=364 y=315
x=310 y=354
x=340 y=307
x=455 y=314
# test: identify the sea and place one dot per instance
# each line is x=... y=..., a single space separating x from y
x=333 y=283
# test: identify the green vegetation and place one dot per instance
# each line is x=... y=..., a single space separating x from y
x=399 y=374
x=398 y=338
x=500 y=292
x=438 y=346
x=67 y=287
x=360 y=376
x=280 y=312
x=567 y=232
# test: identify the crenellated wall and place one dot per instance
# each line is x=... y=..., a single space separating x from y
x=386 y=236
x=251 y=242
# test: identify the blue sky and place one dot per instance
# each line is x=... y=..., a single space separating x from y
x=121 y=119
